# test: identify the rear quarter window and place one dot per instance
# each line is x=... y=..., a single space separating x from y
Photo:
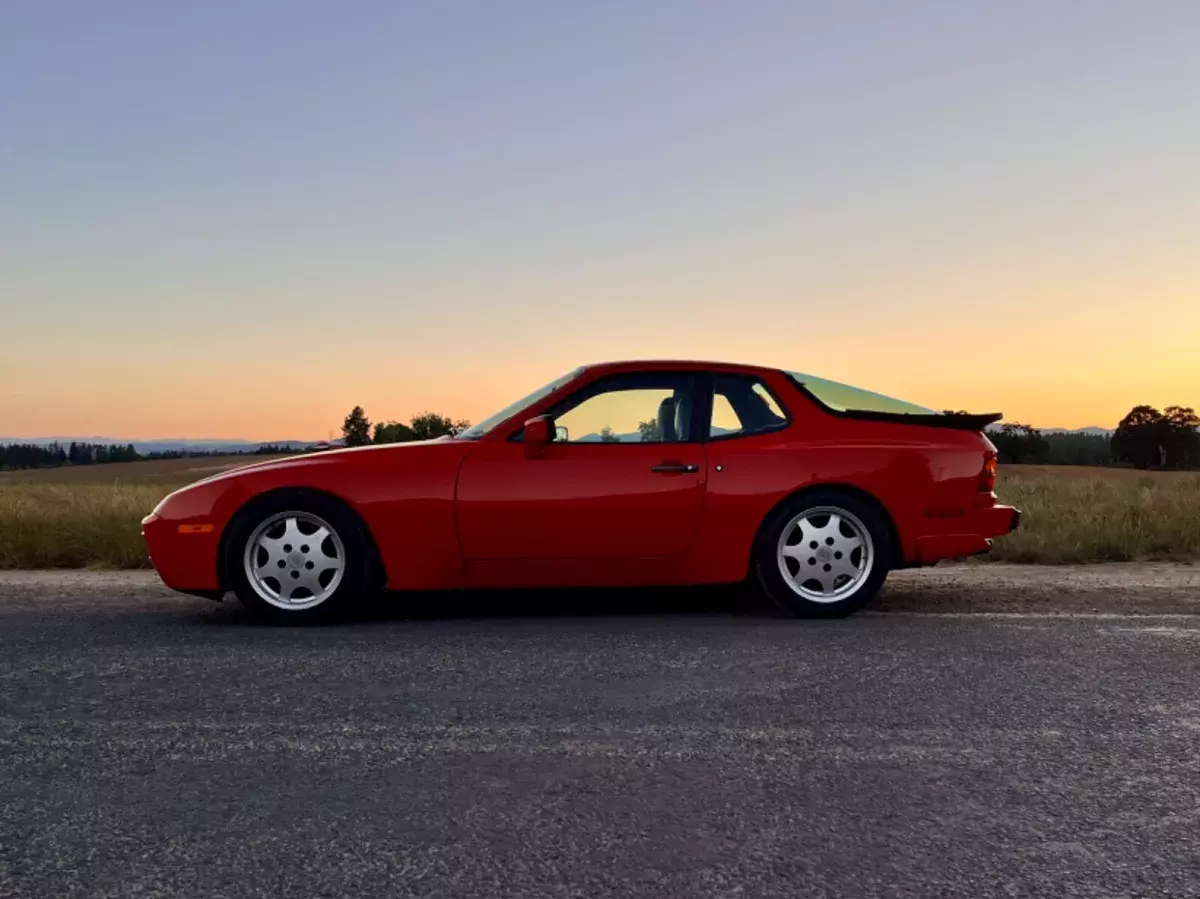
x=742 y=406
x=845 y=398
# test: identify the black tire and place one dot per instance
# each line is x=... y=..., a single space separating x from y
x=357 y=567
x=776 y=586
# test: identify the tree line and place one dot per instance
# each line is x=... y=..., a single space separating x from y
x=357 y=429
x=1145 y=438
x=54 y=455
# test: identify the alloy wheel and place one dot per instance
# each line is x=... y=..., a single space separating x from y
x=825 y=554
x=294 y=560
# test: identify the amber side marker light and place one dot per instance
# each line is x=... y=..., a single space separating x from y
x=195 y=529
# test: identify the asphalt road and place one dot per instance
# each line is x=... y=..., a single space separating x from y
x=161 y=746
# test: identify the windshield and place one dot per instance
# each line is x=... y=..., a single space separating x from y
x=845 y=398
x=476 y=431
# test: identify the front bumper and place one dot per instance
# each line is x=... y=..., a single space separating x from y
x=184 y=557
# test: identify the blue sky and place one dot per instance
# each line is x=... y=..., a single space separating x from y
x=441 y=205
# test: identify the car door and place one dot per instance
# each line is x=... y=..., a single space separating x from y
x=623 y=479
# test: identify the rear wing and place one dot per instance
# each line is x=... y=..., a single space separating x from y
x=959 y=421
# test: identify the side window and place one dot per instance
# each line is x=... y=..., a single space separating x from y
x=632 y=409
x=743 y=406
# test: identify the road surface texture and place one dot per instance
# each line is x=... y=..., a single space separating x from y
x=623 y=744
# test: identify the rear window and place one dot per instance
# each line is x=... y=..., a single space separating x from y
x=844 y=398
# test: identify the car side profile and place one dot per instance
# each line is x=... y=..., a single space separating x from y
x=617 y=474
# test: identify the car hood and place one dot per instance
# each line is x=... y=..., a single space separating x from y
x=327 y=457
x=321 y=458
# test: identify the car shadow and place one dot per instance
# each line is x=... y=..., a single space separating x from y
x=723 y=601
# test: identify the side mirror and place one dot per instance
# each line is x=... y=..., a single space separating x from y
x=539 y=432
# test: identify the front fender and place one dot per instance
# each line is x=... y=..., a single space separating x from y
x=403 y=493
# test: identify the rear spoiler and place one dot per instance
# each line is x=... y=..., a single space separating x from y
x=959 y=421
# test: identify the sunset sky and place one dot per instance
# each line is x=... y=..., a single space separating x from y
x=241 y=219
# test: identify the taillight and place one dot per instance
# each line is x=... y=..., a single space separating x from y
x=987 y=477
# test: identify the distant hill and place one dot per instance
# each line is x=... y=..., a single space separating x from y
x=630 y=438
x=614 y=438
x=239 y=445
x=1089 y=431
x=167 y=444
x=1093 y=431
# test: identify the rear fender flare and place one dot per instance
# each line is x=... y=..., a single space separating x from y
x=858 y=493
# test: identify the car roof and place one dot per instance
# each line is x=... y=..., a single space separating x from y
x=674 y=365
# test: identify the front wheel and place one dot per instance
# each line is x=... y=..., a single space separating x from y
x=823 y=555
x=297 y=558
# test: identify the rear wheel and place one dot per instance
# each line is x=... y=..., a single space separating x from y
x=823 y=555
x=297 y=558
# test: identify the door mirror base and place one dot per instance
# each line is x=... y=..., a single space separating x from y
x=538 y=434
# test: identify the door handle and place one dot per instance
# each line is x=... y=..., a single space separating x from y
x=674 y=468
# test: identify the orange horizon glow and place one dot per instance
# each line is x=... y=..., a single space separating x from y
x=1091 y=380
x=1070 y=406
x=1058 y=352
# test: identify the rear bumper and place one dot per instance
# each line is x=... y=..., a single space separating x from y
x=972 y=535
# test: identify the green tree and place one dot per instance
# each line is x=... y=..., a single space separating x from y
x=607 y=435
x=392 y=432
x=1140 y=438
x=1181 y=437
x=356 y=429
x=81 y=454
x=1020 y=444
x=123 y=453
x=649 y=431
x=1079 y=449
x=29 y=455
x=430 y=425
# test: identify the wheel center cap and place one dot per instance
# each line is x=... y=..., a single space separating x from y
x=824 y=554
x=296 y=560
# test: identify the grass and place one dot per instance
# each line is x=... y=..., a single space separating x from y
x=90 y=518
x=1074 y=514
x=45 y=525
x=171 y=472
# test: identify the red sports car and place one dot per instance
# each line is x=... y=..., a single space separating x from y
x=628 y=473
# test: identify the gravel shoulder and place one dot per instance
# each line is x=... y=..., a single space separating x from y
x=1154 y=588
x=1128 y=588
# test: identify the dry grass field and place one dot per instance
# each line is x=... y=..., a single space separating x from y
x=1076 y=514
x=171 y=472
x=74 y=525
x=90 y=517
